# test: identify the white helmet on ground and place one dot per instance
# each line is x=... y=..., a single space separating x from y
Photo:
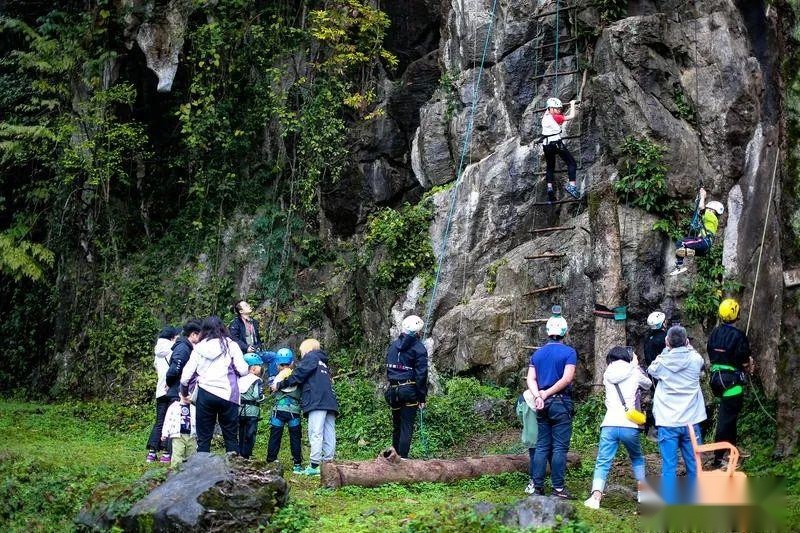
x=556 y=326
x=716 y=206
x=656 y=319
x=554 y=102
x=412 y=324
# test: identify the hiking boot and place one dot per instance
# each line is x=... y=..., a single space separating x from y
x=298 y=469
x=573 y=191
x=563 y=494
x=311 y=471
x=592 y=503
x=166 y=458
x=151 y=457
x=684 y=252
x=551 y=195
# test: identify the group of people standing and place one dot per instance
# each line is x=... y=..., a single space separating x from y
x=209 y=374
x=673 y=366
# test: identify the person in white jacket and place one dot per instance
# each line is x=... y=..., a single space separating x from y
x=215 y=365
x=180 y=431
x=162 y=354
x=623 y=379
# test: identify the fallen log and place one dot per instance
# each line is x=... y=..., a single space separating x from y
x=389 y=467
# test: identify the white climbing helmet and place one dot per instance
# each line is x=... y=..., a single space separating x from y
x=412 y=324
x=554 y=102
x=716 y=206
x=556 y=326
x=656 y=319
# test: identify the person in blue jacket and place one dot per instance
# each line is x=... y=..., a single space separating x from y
x=407 y=372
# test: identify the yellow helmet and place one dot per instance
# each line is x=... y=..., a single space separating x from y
x=729 y=310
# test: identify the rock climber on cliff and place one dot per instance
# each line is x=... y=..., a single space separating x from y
x=552 y=144
x=701 y=243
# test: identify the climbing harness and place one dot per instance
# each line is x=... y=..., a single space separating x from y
x=459 y=173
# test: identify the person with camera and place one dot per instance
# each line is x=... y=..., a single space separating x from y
x=623 y=380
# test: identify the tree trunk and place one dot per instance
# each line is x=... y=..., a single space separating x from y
x=606 y=273
x=389 y=467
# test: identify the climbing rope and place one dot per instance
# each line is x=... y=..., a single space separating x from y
x=459 y=173
x=557 y=31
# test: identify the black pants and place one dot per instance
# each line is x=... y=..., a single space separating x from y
x=154 y=442
x=248 y=427
x=729 y=409
x=276 y=423
x=403 y=417
x=550 y=151
x=211 y=409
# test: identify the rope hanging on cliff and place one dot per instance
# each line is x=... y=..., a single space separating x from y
x=459 y=172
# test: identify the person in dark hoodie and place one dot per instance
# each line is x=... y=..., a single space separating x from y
x=181 y=351
x=163 y=352
x=407 y=372
x=318 y=402
x=244 y=328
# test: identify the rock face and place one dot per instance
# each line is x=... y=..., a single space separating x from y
x=212 y=493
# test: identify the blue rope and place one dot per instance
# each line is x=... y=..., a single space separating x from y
x=459 y=173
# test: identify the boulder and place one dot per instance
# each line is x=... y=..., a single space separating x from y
x=531 y=514
x=212 y=493
x=161 y=40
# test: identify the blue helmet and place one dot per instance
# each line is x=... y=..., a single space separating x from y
x=285 y=357
x=253 y=360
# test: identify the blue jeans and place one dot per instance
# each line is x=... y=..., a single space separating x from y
x=610 y=437
x=555 y=431
x=670 y=440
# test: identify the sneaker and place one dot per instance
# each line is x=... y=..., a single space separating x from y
x=684 y=252
x=563 y=494
x=592 y=503
x=298 y=469
x=551 y=195
x=311 y=471
x=151 y=457
x=572 y=190
x=166 y=458
x=530 y=489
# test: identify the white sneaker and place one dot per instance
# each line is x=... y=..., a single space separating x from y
x=678 y=270
x=530 y=489
x=592 y=503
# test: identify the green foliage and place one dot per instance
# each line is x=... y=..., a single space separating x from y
x=643 y=183
x=491 y=274
x=404 y=238
x=586 y=423
x=685 y=110
x=21 y=258
x=448 y=87
x=292 y=518
x=710 y=287
x=611 y=10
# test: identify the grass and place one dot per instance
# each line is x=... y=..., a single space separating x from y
x=54 y=456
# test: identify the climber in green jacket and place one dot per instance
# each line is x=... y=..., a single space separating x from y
x=702 y=242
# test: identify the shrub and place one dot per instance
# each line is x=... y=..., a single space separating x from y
x=709 y=289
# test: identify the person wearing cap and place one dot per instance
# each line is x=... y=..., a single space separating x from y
x=700 y=244
x=318 y=402
x=623 y=380
x=244 y=328
x=552 y=132
x=286 y=412
x=250 y=404
x=407 y=373
x=654 y=344
x=731 y=362
x=550 y=375
x=677 y=403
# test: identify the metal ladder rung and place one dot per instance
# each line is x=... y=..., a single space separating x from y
x=544 y=256
x=556 y=202
x=554 y=228
x=557 y=171
x=560 y=42
x=544 y=289
x=534 y=320
x=554 y=74
x=565 y=8
x=530 y=347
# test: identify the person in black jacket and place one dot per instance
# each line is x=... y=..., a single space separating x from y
x=729 y=354
x=653 y=346
x=244 y=328
x=318 y=402
x=181 y=351
x=407 y=372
